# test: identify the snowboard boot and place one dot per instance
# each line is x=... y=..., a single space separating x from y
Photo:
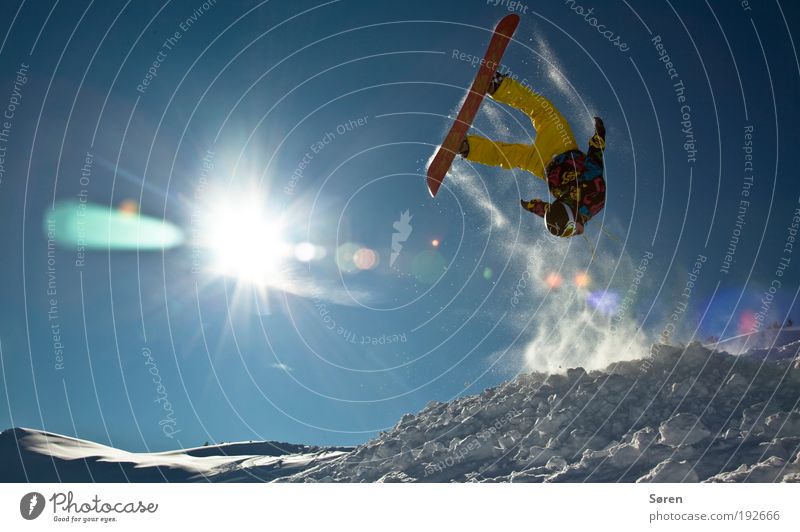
x=496 y=81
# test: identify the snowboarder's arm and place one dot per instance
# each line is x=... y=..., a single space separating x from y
x=598 y=141
x=536 y=206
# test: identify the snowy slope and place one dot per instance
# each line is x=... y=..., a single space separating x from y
x=778 y=340
x=683 y=414
x=49 y=457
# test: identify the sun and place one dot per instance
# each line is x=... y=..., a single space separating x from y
x=246 y=243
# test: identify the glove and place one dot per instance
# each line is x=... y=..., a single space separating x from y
x=599 y=127
x=527 y=205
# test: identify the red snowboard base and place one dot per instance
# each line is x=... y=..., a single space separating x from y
x=447 y=151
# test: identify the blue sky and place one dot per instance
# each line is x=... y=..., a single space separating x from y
x=328 y=355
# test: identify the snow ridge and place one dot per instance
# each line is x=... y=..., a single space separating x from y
x=687 y=415
x=35 y=456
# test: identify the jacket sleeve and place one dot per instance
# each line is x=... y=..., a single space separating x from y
x=536 y=206
x=598 y=142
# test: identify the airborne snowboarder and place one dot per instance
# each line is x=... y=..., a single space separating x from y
x=573 y=177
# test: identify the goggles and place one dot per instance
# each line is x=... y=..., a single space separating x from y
x=569 y=228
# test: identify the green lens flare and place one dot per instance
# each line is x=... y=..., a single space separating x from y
x=428 y=266
x=76 y=224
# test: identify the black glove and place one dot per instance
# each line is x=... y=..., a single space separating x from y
x=526 y=204
x=463 y=150
x=599 y=127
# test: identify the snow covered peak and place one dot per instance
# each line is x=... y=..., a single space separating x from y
x=38 y=456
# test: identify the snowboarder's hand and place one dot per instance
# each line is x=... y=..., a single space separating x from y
x=599 y=127
x=536 y=206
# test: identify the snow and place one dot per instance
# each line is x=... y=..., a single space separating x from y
x=682 y=429
x=785 y=340
x=686 y=414
x=49 y=457
x=671 y=471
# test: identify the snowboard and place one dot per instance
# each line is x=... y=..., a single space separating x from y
x=447 y=151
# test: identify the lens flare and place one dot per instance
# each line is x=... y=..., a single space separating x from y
x=129 y=207
x=428 y=266
x=605 y=302
x=747 y=322
x=344 y=257
x=582 y=280
x=553 y=280
x=91 y=226
x=365 y=259
x=305 y=252
x=435 y=243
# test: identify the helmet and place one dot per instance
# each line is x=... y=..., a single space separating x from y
x=560 y=220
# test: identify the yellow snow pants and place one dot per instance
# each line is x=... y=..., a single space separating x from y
x=553 y=134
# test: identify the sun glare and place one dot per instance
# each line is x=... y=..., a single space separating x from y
x=247 y=245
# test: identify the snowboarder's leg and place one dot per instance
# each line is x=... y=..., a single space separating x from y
x=500 y=154
x=553 y=134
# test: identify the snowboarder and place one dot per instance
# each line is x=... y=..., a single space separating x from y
x=573 y=177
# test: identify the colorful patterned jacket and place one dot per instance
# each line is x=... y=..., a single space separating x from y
x=577 y=179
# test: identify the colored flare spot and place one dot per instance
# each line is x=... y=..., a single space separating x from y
x=428 y=266
x=344 y=257
x=605 y=302
x=365 y=259
x=91 y=226
x=582 y=280
x=129 y=207
x=553 y=280
x=747 y=322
